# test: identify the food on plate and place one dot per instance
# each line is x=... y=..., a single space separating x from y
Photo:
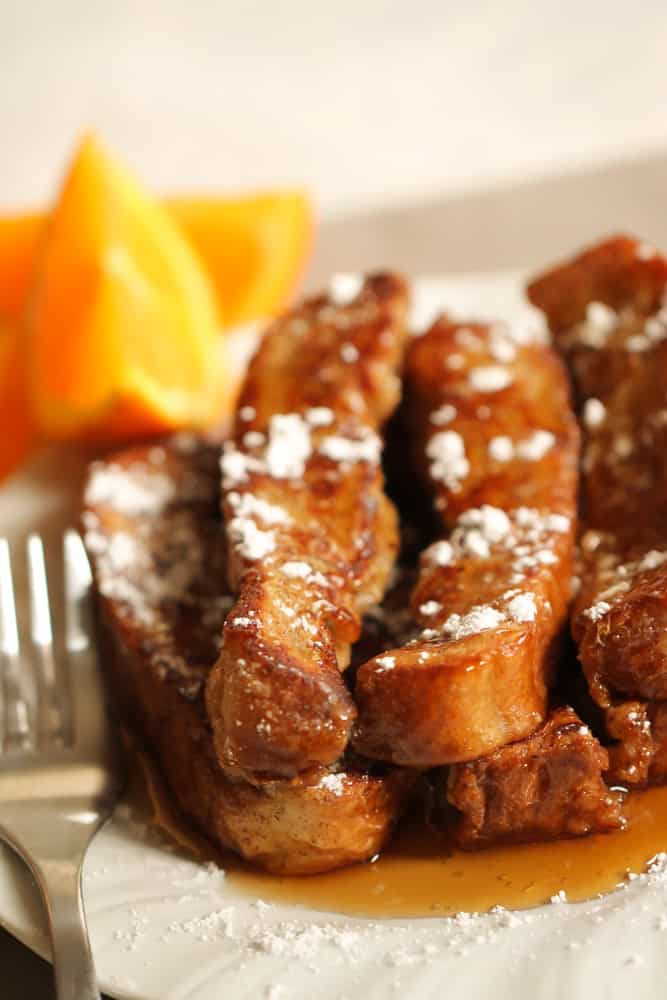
x=121 y=328
x=488 y=411
x=252 y=247
x=637 y=731
x=111 y=304
x=19 y=240
x=546 y=786
x=608 y=313
x=298 y=679
x=19 y=435
x=153 y=529
x=312 y=537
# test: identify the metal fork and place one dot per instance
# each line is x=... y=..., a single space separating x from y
x=60 y=768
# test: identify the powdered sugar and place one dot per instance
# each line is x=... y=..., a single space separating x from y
x=531 y=449
x=490 y=378
x=599 y=323
x=615 y=578
x=525 y=536
x=130 y=490
x=455 y=362
x=491 y=522
x=478 y=529
x=296 y=570
x=253 y=439
x=500 y=345
x=449 y=463
x=481 y=618
x=597 y=611
x=651 y=560
x=594 y=413
x=246 y=505
x=654 y=331
x=295 y=953
x=366 y=448
x=236 y=466
x=349 y=353
x=501 y=448
x=287 y=450
x=528 y=517
x=443 y=415
x=319 y=416
x=522 y=608
x=250 y=541
x=439 y=554
x=637 y=343
x=289 y=446
x=535 y=446
x=334 y=783
x=623 y=446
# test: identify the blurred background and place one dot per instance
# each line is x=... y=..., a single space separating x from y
x=434 y=135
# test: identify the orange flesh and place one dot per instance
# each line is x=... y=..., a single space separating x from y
x=120 y=309
x=18 y=432
x=253 y=249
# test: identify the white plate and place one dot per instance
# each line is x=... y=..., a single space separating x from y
x=165 y=927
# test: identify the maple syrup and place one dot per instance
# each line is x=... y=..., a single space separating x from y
x=421 y=874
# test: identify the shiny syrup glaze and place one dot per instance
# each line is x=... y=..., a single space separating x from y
x=420 y=874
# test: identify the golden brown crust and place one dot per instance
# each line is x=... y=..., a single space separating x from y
x=312 y=537
x=608 y=312
x=153 y=530
x=497 y=443
x=544 y=787
x=637 y=731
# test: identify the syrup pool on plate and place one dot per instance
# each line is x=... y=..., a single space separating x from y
x=421 y=875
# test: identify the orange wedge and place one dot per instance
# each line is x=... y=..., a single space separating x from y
x=121 y=320
x=19 y=236
x=254 y=248
x=18 y=430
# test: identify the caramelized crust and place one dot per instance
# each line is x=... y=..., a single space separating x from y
x=497 y=444
x=312 y=537
x=544 y=787
x=153 y=530
x=638 y=751
x=608 y=312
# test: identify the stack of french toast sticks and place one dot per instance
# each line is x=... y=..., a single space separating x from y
x=300 y=657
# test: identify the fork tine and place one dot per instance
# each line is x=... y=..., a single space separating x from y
x=40 y=615
x=78 y=581
x=85 y=676
x=9 y=634
x=15 y=724
x=49 y=713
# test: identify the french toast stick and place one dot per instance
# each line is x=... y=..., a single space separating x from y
x=607 y=310
x=312 y=537
x=153 y=530
x=496 y=443
x=544 y=787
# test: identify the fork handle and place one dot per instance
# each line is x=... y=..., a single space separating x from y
x=60 y=884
